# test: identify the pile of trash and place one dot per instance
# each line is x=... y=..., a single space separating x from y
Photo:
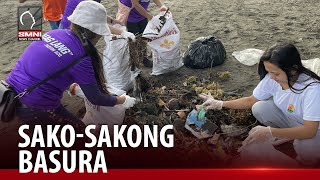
x=217 y=133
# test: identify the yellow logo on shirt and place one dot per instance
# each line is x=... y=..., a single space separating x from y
x=290 y=108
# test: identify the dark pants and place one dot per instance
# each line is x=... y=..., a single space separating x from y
x=59 y=116
x=137 y=27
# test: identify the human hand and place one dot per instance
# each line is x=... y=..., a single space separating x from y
x=128 y=35
x=129 y=102
x=210 y=102
x=163 y=8
x=258 y=133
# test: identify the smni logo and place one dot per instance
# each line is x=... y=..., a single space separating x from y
x=27 y=12
x=29 y=23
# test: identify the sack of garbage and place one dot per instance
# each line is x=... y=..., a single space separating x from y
x=116 y=65
x=204 y=52
x=248 y=57
x=164 y=44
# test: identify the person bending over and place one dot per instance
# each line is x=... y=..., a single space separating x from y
x=57 y=49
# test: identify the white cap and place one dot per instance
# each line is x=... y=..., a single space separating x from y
x=91 y=15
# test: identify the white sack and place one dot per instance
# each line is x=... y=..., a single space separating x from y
x=166 y=54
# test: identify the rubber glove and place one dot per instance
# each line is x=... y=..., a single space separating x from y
x=258 y=133
x=128 y=35
x=129 y=102
x=210 y=102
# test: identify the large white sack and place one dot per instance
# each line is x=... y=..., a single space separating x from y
x=164 y=45
x=116 y=62
x=166 y=61
x=248 y=57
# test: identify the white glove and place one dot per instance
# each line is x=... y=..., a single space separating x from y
x=129 y=102
x=210 y=102
x=128 y=35
x=258 y=133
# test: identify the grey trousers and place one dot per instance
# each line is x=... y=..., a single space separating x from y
x=267 y=113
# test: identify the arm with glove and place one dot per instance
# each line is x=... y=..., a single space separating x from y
x=126 y=101
x=123 y=33
x=210 y=102
x=94 y=95
x=261 y=133
x=242 y=103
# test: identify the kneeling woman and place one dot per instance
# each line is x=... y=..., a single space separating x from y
x=287 y=100
x=58 y=49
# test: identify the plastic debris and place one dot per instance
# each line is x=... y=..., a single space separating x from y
x=248 y=57
x=201 y=128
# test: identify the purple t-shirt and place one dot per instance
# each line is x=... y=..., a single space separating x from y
x=43 y=58
x=134 y=15
x=70 y=7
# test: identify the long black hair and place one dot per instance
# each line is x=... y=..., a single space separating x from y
x=287 y=58
x=85 y=37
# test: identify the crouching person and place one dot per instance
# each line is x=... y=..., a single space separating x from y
x=287 y=101
x=58 y=49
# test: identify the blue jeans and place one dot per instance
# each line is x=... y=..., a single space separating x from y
x=54 y=24
x=61 y=26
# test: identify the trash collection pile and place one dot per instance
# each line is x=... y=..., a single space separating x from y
x=216 y=133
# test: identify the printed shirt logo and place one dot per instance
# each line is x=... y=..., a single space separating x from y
x=290 y=108
x=166 y=44
x=56 y=46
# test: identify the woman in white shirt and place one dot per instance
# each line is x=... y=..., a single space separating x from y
x=287 y=101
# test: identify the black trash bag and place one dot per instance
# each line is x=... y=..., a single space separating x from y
x=204 y=52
